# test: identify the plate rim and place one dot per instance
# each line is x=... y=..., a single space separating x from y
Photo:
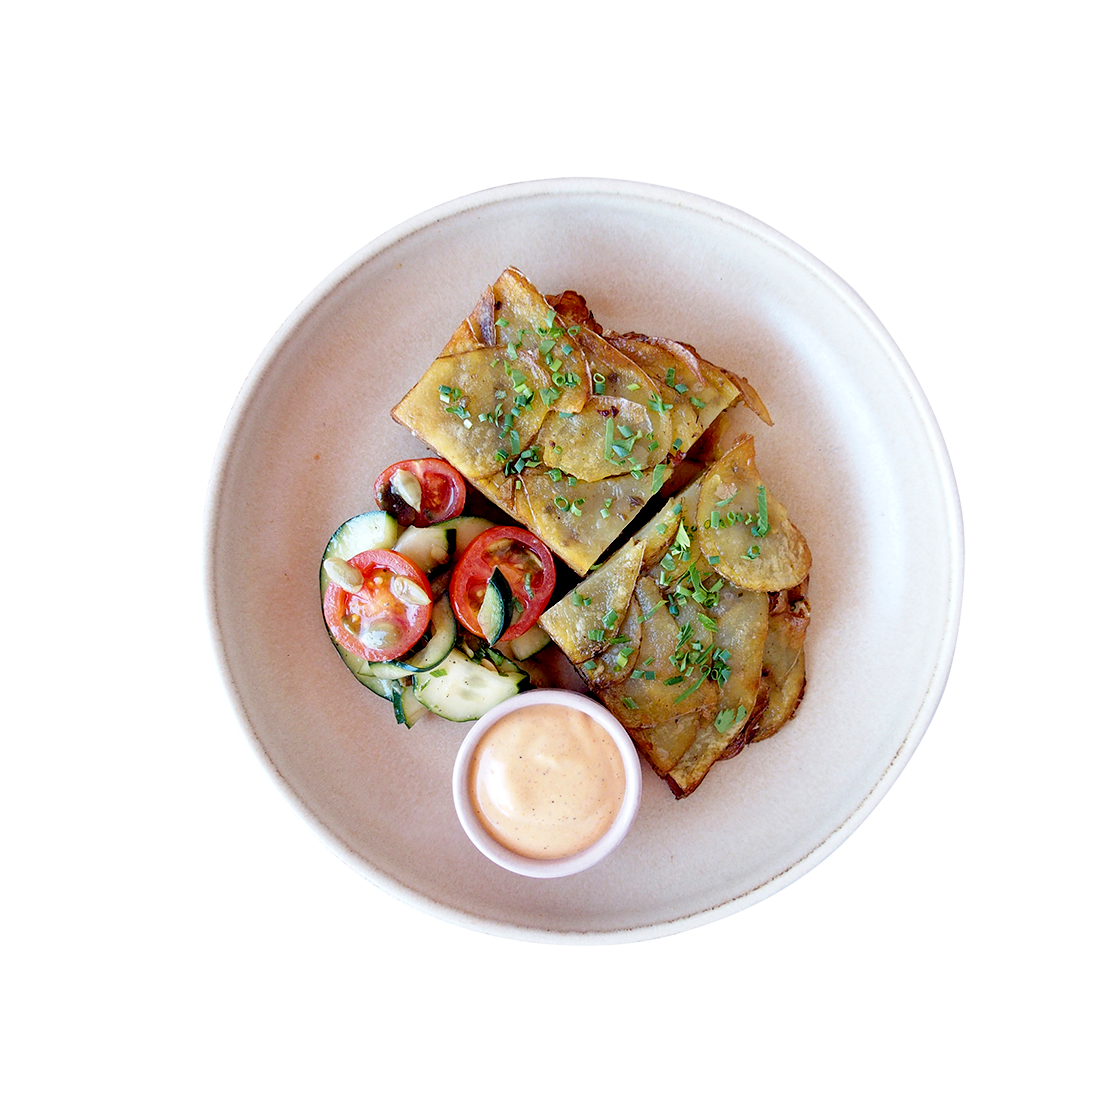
x=737 y=219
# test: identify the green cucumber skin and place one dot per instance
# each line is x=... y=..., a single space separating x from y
x=529 y=643
x=466 y=529
x=497 y=605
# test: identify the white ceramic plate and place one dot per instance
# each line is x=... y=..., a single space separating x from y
x=855 y=455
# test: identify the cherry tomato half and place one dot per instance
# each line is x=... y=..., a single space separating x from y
x=442 y=492
x=374 y=622
x=525 y=562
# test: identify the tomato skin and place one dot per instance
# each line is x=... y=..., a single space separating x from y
x=517 y=552
x=402 y=623
x=443 y=492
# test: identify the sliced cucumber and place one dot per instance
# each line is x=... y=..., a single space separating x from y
x=466 y=529
x=360 y=668
x=431 y=549
x=461 y=689
x=529 y=643
x=406 y=708
x=369 y=532
x=497 y=607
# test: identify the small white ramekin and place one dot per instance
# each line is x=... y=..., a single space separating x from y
x=565 y=865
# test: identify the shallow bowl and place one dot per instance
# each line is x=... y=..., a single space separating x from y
x=855 y=455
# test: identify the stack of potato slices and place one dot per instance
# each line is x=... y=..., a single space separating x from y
x=692 y=632
x=568 y=430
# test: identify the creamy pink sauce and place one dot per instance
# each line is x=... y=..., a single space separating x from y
x=547 y=781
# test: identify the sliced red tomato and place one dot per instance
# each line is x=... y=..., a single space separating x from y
x=442 y=492
x=525 y=562
x=374 y=622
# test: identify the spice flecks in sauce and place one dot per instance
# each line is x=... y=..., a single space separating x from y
x=547 y=781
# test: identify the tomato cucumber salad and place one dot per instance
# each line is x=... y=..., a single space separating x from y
x=429 y=608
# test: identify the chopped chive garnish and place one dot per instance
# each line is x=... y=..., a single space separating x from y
x=761 y=526
x=724 y=721
x=659 y=473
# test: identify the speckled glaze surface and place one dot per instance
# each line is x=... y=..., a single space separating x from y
x=855 y=455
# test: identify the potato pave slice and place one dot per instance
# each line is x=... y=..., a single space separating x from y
x=741 y=618
x=746 y=528
x=578 y=622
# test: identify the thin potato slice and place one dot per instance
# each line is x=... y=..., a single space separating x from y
x=677 y=380
x=572 y=620
x=774 y=560
x=521 y=321
x=619 y=658
x=580 y=522
x=742 y=628
x=784 y=666
x=663 y=745
x=576 y=443
x=741 y=619
x=659 y=532
x=477 y=330
x=468 y=385
x=572 y=307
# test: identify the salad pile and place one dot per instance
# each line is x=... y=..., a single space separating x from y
x=429 y=608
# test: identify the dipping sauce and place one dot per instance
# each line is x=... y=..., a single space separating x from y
x=546 y=781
